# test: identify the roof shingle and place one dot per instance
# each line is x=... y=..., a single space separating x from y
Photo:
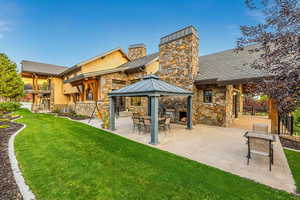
x=41 y=68
x=229 y=66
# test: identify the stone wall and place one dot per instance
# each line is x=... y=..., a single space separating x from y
x=107 y=85
x=136 y=51
x=178 y=63
x=210 y=113
x=178 y=58
x=229 y=105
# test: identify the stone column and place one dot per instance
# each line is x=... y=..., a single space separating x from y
x=136 y=51
x=154 y=120
x=112 y=126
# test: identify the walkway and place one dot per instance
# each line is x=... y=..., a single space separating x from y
x=223 y=148
x=247 y=121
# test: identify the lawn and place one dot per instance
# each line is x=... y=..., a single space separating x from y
x=294 y=163
x=63 y=159
x=296 y=115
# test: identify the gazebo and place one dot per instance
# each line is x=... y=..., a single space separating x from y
x=152 y=88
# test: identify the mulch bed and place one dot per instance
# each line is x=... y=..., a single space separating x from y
x=8 y=187
x=73 y=116
x=292 y=142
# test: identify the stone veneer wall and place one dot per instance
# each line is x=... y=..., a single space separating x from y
x=219 y=112
x=178 y=61
x=107 y=86
x=210 y=113
x=136 y=51
x=229 y=105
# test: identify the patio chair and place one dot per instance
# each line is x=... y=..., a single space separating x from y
x=135 y=114
x=260 y=147
x=147 y=125
x=166 y=124
x=260 y=128
x=137 y=125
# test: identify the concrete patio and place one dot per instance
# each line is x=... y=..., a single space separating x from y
x=223 y=148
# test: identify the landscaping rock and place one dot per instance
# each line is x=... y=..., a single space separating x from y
x=292 y=142
x=8 y=187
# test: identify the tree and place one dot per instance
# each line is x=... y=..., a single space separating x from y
x=11 y=84
x=277 y=40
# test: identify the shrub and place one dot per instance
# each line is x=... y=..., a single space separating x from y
x=9 y=106
x=56 y=110
x=4 y=126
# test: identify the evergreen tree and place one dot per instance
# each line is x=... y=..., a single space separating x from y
x=11 y=84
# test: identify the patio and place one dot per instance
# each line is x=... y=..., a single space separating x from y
x=223 y=148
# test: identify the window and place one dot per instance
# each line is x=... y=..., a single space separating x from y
x=89 y=95
x=207 y=96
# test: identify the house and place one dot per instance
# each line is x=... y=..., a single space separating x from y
x=216 y=80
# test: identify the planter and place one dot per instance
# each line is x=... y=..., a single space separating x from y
x=292 y=142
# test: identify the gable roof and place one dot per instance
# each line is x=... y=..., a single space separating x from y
x=228 y=66
x=140 y=62
x=94 y=58
x=41 y=68
x=137 y=63
x=150 y=85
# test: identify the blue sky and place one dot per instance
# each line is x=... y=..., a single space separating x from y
x=67 y=32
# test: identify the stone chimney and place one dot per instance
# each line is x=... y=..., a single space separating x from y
x=178 y=57
x=136 y=51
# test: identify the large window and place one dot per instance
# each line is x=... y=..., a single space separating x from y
x=89 y=95
x=207 y=96
x=43 y=84
x=28 y=83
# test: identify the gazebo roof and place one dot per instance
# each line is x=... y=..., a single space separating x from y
x=150 y=86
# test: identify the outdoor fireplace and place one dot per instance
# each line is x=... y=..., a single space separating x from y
x=182 y=118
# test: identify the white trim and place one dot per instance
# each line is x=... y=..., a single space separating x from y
x=23 y=187
x=292 y=149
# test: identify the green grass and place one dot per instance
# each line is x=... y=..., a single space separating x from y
x=296 y=115
x=294 y=163
x=63 y=159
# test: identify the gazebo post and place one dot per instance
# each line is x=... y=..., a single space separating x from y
x=112 y=126
x=149 y=106
x=154 y=120
x=189 y=113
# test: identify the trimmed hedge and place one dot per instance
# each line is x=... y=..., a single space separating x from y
x=9 y=106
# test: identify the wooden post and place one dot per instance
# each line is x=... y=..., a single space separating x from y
x=273 y=115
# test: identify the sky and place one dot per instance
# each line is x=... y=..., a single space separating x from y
x=66 y=32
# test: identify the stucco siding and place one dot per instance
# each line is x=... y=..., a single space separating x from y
x=110 y=61
x=152 y=67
